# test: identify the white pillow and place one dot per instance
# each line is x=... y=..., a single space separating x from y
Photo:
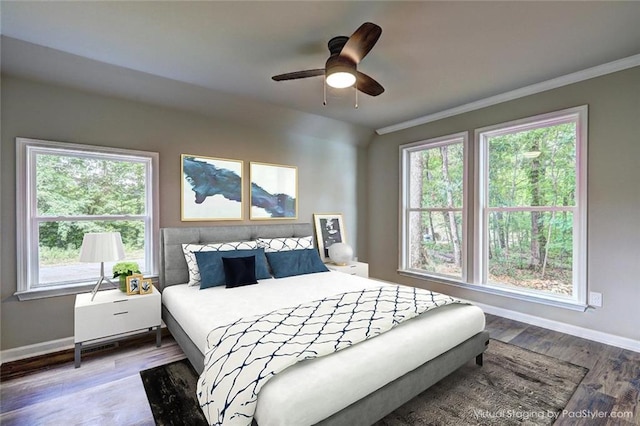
x=192 y=264
x=271 y=245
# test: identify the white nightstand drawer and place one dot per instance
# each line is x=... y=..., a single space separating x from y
x=360 y=269
x=113 y=312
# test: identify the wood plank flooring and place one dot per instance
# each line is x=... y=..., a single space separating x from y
x=107 y=389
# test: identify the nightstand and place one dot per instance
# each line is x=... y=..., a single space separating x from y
x=360 y=269
x=113 y=313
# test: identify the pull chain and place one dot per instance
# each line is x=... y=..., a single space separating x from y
x=356 y=86
x=324 y=87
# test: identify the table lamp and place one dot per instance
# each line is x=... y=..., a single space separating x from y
x=101 y=247
x=340 y=253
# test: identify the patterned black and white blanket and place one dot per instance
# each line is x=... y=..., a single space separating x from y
x=242 y=356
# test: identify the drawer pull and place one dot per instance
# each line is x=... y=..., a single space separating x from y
x=121 y=313
x=119 y=301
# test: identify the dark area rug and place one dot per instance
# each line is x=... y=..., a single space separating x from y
x=171 y=391
x=514 y=387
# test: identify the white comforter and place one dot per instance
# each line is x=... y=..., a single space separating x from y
x=292 y=397
x=243 y=356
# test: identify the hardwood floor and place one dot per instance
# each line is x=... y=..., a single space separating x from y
x=107 y=389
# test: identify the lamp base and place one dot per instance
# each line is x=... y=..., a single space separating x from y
x=95 y=289
x=100 y=280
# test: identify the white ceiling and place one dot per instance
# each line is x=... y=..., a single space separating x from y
x=431 y=56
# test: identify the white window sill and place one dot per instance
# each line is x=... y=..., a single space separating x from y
x=527 y=297
x=43 y=293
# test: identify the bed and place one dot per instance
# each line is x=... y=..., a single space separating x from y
x=382 y=374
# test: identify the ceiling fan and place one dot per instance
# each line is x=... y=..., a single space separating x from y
x=341 y=69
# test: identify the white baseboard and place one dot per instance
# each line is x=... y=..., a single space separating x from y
x=22 y=352
x=29 y=351
x=598 y=336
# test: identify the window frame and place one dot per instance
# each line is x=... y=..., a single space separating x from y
x=27 y=220
x=405 y=210
x=474 y=255
x=579 y=115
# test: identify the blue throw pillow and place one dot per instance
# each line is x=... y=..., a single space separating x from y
x=295 y=262
x=212 y=269
x=239 y=271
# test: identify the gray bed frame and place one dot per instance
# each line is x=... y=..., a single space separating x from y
x=173 y=270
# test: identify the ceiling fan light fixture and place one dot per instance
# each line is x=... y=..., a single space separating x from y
x=340 y=72
x=341 y=79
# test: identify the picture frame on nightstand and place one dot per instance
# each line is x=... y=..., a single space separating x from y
x=133 y=283
x=329 y=230
x=146 y=286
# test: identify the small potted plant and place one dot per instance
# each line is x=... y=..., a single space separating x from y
x=123 y=270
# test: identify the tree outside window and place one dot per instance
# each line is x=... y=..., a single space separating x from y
x=434 y=199
x=533 y=207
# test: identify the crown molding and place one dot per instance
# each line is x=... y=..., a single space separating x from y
x=597 y=71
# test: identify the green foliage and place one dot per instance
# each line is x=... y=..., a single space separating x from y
x=125 y=268
x=75 y=185
x=438 y=186
x=58 y=256
x=524 y=246
x=546 y=180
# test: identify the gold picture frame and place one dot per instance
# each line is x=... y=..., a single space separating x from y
x=133 y=283
x=273 y=191
x=201 y=198
x=146 y=287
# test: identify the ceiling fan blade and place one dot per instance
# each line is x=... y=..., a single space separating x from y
x=368 y=85
x=299 y=74
x=361 y=42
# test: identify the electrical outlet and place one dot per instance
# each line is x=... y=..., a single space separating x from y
x=595 y=299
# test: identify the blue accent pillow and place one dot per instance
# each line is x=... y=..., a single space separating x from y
x=239 y=271
x=295 y=262
x=212 y=269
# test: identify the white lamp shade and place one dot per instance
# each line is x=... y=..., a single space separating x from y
x=340 y=253
x=101 y=247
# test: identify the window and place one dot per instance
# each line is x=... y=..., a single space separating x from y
x=527 y=230
x=65 y=190
x=433 y=206
x=532 y=206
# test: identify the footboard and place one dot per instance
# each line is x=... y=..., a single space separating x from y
x=378 y=404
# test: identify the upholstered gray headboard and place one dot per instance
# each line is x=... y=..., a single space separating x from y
x=173 y=267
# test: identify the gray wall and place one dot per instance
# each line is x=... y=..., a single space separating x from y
x=328 y=154
x=613 y=197
x=336 y=173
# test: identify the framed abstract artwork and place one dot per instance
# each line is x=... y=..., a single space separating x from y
x=329 y=230
x=211 y=188
x=274 y=191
